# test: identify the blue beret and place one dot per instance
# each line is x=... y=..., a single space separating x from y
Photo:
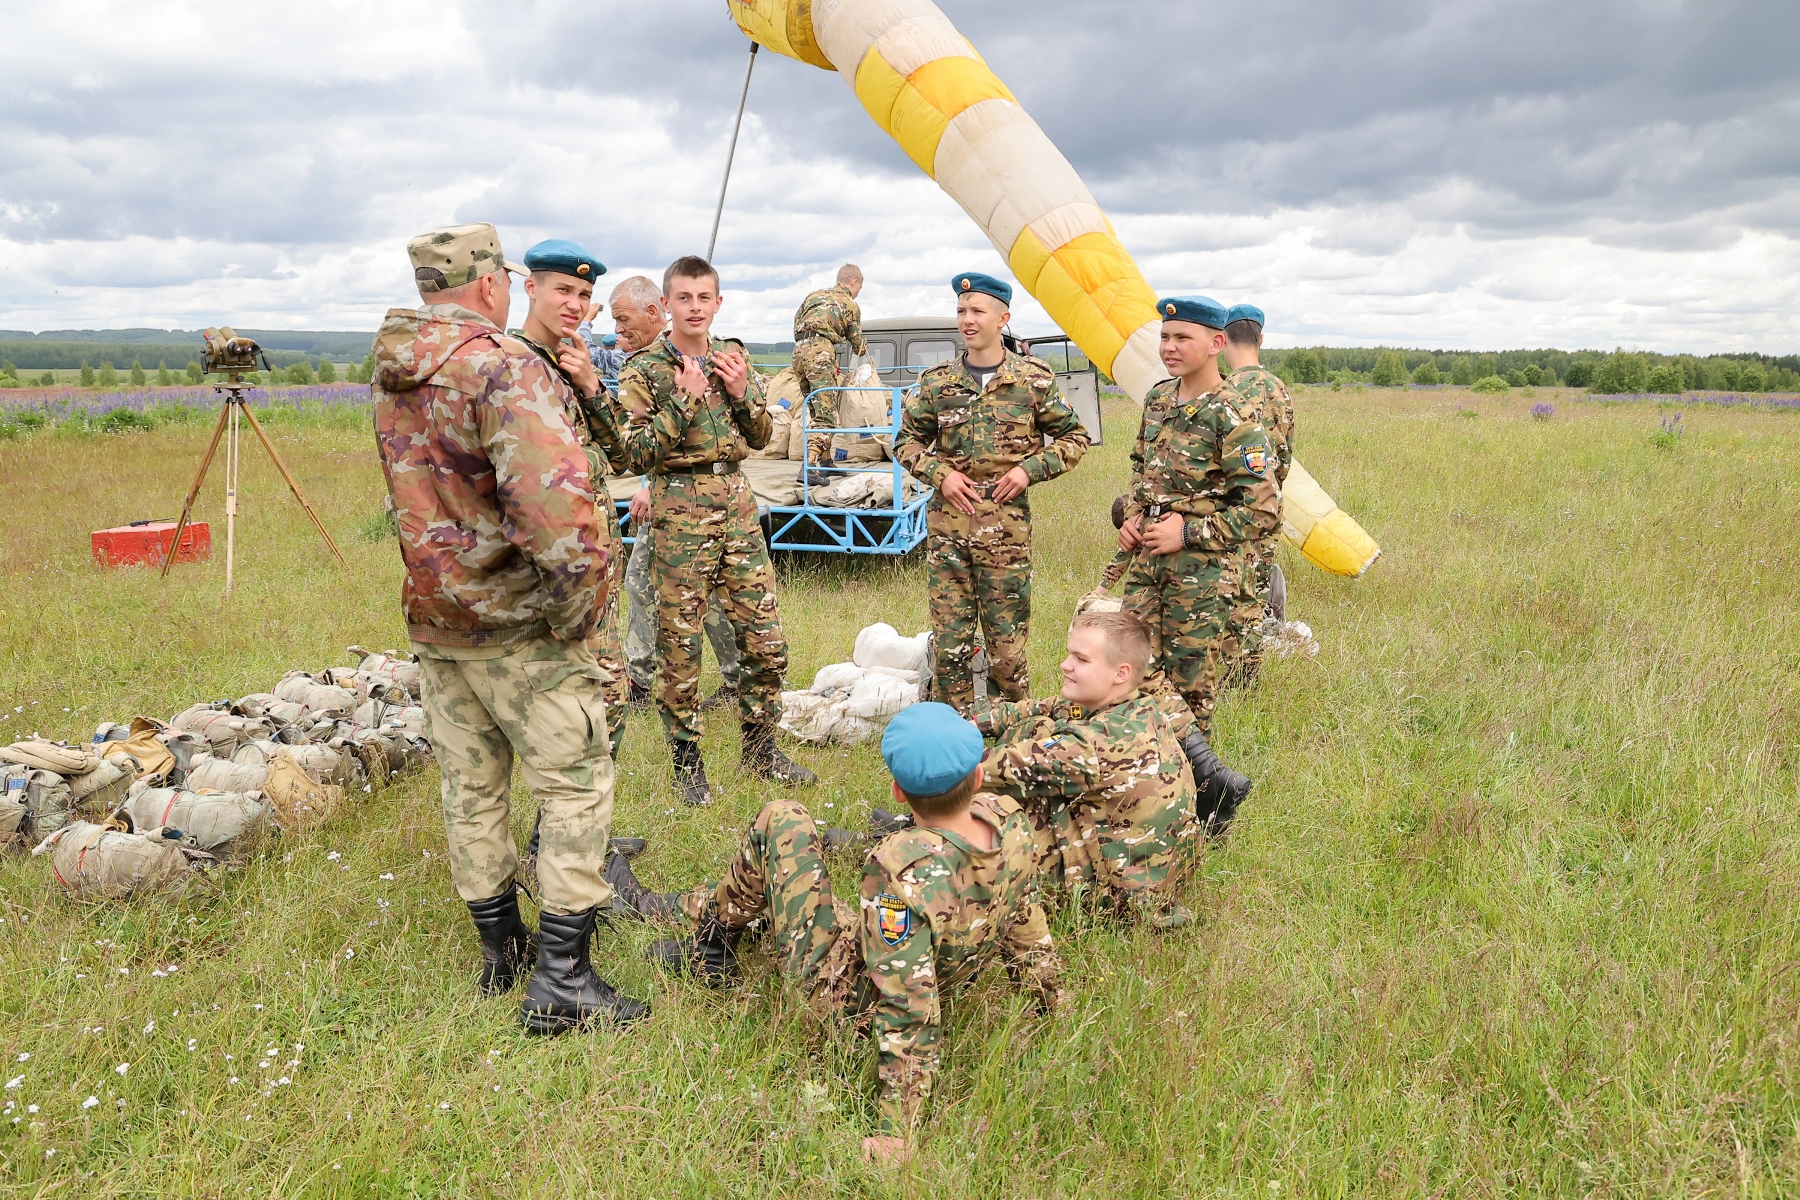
x=975 y=281
x=930 y=749
x=565 y=258
x=1245 y=312
x=609 y=340
x=1201 y=310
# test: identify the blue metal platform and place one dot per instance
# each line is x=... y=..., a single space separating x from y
x=819 y=529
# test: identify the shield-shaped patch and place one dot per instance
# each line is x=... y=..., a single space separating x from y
x=1257 y=459
x=895 y=917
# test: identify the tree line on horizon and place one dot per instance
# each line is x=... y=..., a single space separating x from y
x=1619 y=372
x=108 y=377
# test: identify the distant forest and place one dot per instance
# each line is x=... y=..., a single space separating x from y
x=1619 y=371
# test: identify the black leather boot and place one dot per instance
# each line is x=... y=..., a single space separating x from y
x=1218 y=790
x=690 y=775
x=564 y=992
x=727 y=694
x=710 y=956
x=882 y=822
x=506 y=943
x=764 y=759
x=635 y=902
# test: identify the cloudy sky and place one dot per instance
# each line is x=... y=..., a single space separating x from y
x=1479 y=174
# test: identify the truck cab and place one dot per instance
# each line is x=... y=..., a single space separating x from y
x=902 y=347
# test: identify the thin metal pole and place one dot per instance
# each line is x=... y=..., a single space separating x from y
x=231 y=490
x=724 y=183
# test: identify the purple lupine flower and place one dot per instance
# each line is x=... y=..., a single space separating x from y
x=1542 y=411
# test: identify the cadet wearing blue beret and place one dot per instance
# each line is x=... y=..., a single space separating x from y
x=565 y=258
x=987 y=285
x=1202 y=491
x=1244 y=312
x=1199 y=310
x=929 y=749
x=1256 y=389
x=980 y=429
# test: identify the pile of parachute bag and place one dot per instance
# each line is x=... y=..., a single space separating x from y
x=152 y=806
x=849 y=702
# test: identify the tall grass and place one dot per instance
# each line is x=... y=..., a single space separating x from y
x=1510 y=912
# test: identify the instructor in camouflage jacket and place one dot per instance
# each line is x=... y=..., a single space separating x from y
x=974 y=429
x=1102 y=774
x=1202 y=488
x=940 y=903
x=506 y=567
x=825 y=320
x=693 y=412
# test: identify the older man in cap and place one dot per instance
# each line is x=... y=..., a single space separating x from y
x=975 y=429
x=1257 y=389
x=941 y=901
x=506 y=558
x=1202 y=489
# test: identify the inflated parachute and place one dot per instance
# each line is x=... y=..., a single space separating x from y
x=927 y=87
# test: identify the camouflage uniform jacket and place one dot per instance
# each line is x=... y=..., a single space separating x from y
x=595 y=419
x=1261 y=391
x=1207 y=461
x=950 y=423
x=830 y=313
x=1123 y=764
x=666 y=430
x=935 y=914
x=499 y=529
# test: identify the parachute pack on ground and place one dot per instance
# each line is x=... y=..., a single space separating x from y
x=928 y=88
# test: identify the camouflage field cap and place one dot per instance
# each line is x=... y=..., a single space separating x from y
x=457 y=254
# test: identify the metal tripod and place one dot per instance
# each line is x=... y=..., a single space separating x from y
x=235 y=406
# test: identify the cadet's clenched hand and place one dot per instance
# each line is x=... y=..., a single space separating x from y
x=579 y=367
x=1131 y=534
x=885 y=1148
x=690 y=379
x=1011 y=484
x=640 y=507
x=1164 y=537
x=733 y=370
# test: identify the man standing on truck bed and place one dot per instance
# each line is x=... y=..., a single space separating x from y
x=826 y=319
x=975 y=429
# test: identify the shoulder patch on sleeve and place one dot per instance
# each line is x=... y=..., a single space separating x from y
x=1256 y=458
x=894 y=917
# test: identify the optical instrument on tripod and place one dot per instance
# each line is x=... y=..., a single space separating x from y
x=227 y=354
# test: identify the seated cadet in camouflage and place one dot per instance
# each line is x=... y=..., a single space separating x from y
x=506 y=568
x=940 y=903
x=1261 y=391
x=1101 y=772
x=825 y=320
x=693 y=412
x=1201 y=489
x=974 y=429
x=559 y=291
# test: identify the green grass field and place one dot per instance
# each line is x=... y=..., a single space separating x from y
x=1511 y=911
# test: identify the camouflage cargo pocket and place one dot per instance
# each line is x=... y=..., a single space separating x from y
x=565 y=713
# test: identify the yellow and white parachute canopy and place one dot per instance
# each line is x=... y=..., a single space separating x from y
x=929 y=89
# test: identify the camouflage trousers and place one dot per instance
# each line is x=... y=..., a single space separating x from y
x=604 y=643
x=640 y=630
x=1243 y=641
x=816 y=366
x=706 y=540
x=978 y=572
x=780 y=874
x=542 y=702
x=1187 y=599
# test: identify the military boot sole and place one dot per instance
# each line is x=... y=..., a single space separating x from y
x=615 y=1016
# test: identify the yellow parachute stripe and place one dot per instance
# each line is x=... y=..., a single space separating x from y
x=916 y=109
x=785 y=28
